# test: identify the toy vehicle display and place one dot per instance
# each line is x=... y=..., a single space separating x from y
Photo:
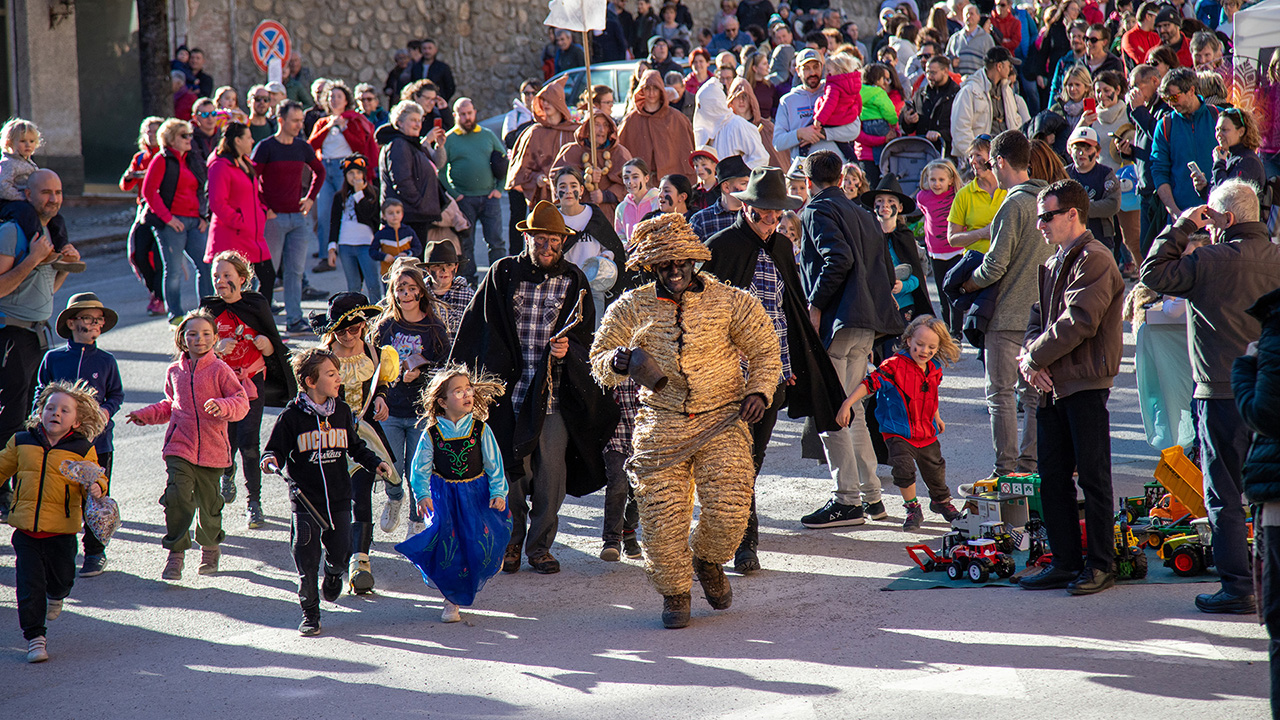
x=991 y=508
x=1140 y=506
x=1189 y=554
x=960 y=557
x=1131 y=559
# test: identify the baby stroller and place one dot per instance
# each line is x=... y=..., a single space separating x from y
x=906 y=157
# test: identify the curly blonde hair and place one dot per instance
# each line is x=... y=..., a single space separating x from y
x=88 y=413
x=488 y=388
x=948 y=350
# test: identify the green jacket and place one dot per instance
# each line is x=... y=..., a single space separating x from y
x=467 y=168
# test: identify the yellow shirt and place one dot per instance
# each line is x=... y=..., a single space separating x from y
x=973 y=208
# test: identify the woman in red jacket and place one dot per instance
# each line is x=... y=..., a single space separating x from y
x=238 y=213
x=144 y=252
x=178 y=210
x=344 y=131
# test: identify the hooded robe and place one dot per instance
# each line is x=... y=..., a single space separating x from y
x=535 y=151
x=716 y=126
x=663 y=139
x=572 y=154
x=757 y=118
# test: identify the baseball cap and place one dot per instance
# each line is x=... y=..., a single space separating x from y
x=276 y=87
x=809 y=55
x=1085 y=135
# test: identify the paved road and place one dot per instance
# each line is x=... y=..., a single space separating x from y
x=811 y=636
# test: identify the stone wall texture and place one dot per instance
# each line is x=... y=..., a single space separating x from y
x=492 y=45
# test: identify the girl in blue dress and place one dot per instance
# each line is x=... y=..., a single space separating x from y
x=458 y=476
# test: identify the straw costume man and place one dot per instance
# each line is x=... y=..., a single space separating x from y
x=692 y=434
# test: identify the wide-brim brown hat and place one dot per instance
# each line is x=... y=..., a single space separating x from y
x=665 y=238
x=84 y=301
x=889 y=185
x=767 y=190
x=544 y=218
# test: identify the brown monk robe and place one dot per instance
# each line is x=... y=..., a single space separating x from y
x=743 y=102
x=610 y=157
x=531 y=160
x=655 y=132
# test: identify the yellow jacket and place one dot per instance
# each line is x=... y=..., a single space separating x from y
x=699 y=344
x=45 y=500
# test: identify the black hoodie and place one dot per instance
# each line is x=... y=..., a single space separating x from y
x=314 y=454
x=406 y=173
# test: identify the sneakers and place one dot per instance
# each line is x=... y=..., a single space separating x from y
x=209 y=557
x=875 y=510
x=361 y=574
x=611 y=552
x=310 y=626
x=450 y=613
x=94 y=565
x=715 y=585
x=173 y=566
x=155 y=306
x=675 y=611
x=298 y=327
x=37 y=650
x=54 y=610
x=323 y=267
x=834 y=514
x=915 y=517
x=391 y=514
x=511 y=559
x=414 y=527
x=1225 y=603
x=229 y=485
x=331 y=587
x=631 y=546
x=544 y=564
x=945 y=509
x=256 y=520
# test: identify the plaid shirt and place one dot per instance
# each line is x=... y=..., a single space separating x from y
x=766 y=286
x=627 y=395
x=455 y=302
x=712 y=220
x=537 y=307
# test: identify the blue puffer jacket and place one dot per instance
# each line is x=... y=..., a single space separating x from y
x=1256 y=382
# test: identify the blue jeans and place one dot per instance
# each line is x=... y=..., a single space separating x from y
x=403 y=435
x=1224 y=442
x=288 y=236
x=324 y=202
x=486 y=211
x=358 y=264
x=173 y=244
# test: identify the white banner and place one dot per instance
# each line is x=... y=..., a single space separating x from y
x=576 y=15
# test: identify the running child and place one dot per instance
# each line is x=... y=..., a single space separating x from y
x=314 y=438
x=201 y=395
x=458 y=476
x=906 y=388
x=47 y=505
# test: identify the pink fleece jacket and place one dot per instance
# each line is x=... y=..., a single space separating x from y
x=936 y=208
x=841 y=101
x=194 y=435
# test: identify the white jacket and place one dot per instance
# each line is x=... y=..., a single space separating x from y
x=714 y=124
x=971 y=111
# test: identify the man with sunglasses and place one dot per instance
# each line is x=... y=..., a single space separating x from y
x=261 y=124
x=1183 y=136
x=1220 y=281
x=204 y=117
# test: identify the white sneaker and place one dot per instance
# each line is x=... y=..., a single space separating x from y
x=37 y=650
x=391 y=515
x=55 y=609
x=413 y=529
x=450 y=613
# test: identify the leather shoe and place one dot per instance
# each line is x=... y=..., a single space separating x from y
x=511 y=559
x=675 y=611
x=1050 y=578
x=1225 y=603
x=545 y=564
x=1090 y=581
x=714 y=583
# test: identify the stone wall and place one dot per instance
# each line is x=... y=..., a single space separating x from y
x=46 y=88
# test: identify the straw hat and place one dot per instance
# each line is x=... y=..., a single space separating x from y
x=665 y=238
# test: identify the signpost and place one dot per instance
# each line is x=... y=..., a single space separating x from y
x=270 y=42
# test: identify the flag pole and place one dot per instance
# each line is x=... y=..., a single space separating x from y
x=591 y=112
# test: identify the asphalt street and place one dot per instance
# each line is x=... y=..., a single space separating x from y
x=810 y=636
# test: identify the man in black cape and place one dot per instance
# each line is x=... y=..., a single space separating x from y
x=552 y=429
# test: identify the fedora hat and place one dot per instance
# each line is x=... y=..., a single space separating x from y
x=889 y=186
x=442 y=252
x=84 y=301
x=345 y=309
x=731 y=168
x=767 y=190
x=544 y=218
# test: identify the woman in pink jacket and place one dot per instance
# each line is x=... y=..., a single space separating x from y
x=239 y=217
x=201 y=395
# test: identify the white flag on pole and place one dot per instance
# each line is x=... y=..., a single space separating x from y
x=576 y=15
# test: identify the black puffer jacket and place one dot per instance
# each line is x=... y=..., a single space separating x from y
x=407 y=174
x=1256 y=382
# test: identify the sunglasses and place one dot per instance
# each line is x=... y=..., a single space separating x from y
x=1172 y=96
x=185 y=135
x=1095 y=40
x=350 y=330
x=368 y=98
x=261 y=99
x=206 y=114
x=1049 y=215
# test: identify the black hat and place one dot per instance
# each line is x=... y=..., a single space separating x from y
x=356 y=161
x=441 y=252
x=731 y=168
x=1168 y=15
x=767 y=190
x=345 y=309
x=889 y=186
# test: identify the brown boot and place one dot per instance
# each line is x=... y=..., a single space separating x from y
x=714 y=583
x=675 y=611
x=511 y=559
x=173 y=566
x=209 y=557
